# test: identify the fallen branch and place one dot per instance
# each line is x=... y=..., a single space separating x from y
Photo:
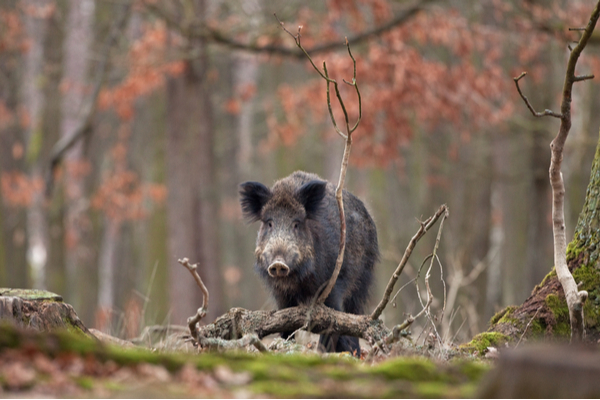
x=239 y=322
x=425 y=226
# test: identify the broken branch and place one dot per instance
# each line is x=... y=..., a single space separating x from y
x=201 y=313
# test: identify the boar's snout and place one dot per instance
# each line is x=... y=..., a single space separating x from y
x=278 y=269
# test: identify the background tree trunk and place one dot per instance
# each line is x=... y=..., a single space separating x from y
x=192 y=198
x=79 y=258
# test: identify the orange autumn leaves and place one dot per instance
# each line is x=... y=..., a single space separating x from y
x=437 y=69
x=148 y=64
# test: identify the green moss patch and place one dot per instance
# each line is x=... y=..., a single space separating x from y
x=481 y=342
x=501 y=315
x=31 y=294
x=274 y=375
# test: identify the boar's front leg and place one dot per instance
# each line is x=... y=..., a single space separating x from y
x=334 y=342
x=285 y=302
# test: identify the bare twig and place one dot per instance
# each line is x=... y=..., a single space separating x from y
x=526 y=100
x=411 y=281
x=67 y=141
x=347 y=135
x=427 y=276
x=574 y=297
x=527 y=327
x=201 y=313
x=425 y=226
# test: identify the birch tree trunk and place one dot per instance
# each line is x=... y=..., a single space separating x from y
x=37 y=223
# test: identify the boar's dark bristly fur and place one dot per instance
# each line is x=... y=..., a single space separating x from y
x=298 y=244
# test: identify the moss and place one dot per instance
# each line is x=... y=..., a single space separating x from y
x=286 y=389
x=85 y=382
x=558 y=306
x=536 y=328
x=472 y=370
x=548 y=276
x=506 y=312
x=410 y=369
x=482 y=341
x=574 y=249
x=562 y=329
x=31 y=294
x=432 y=390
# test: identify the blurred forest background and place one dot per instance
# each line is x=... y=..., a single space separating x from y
x=126 y=127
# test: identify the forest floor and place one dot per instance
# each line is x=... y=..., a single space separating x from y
x=34 y=364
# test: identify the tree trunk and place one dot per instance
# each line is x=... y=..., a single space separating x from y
x=192 y=202
x=13 y=238
x=37 y=221
x=545 y=312
x=79 y=255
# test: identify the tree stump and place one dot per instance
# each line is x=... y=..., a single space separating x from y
x=39 y=310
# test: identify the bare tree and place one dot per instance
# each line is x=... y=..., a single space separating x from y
x=575 y=297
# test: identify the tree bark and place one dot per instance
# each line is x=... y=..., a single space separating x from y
x=192 y=196
x=13 y=238
x=79 y=256
x=37 y=221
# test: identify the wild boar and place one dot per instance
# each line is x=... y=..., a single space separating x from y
x=298 y=243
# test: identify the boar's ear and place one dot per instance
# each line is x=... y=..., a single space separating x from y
x=254 y=196
x=311 y=195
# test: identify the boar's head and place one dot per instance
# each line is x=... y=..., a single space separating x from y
x=288 y=212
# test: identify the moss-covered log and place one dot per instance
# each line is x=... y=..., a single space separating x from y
x=545 y=314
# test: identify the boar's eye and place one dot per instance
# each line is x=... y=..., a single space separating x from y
x=270 y=223
x=295 y=225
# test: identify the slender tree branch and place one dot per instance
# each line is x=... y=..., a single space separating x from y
x=348 y=145
x=218 y=37
x=87 y=114
x=526 y=100
x=574 y=297
x=583 y=78
x=428 y=275
x=528 y=324
x=425 y=226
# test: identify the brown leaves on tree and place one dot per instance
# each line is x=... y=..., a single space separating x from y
x=439 y=68
x=149 y=66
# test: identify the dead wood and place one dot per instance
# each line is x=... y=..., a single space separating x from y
x=239 y=322
x=39 y=310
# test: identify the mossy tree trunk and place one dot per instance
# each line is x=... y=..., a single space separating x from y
x=545 y=314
